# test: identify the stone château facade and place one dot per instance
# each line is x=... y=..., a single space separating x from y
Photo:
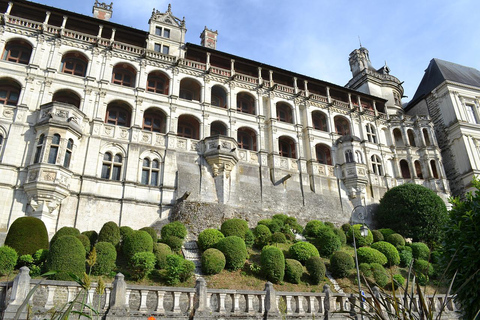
x=100 y=122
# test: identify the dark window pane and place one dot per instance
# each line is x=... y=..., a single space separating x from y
x=116 y=172
x=144 y=176
x=106 y=171
x=154 y=180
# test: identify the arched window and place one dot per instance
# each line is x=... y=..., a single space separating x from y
x=188 y=127
x=397 y=136
x=286 y=147
x=67 y=96
x=38 y=150
x=418 y=169
x=112 y=166
x=118 y=114
x=68 y=153
x=150 y=172
x=247 y=139
x=376 y=165
x=219 y=96
x=349 y=156
x=218 y=128
x=158 y=82
x=189 y=89
x=323 y=154
x=411 y=138
x=405 y=170
x=433 y=165
x=154 y=121
x=17 y=51
x=284 y=112
x=9 y=92
x=342 y=126
x=319 y=121
x=124 y=75
x=426 y=137
x=371 y=133
x=74 y=63
x=54 y=146
x=245 y=103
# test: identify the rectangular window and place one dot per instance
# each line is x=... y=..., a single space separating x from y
x=158 y=31
x=145 y=174
x=154 y=180
x=68 y=156
x=166 y=33
x=52 y=156
x=158 y=47
x=116 y=172
x=472 y=118
x=165 y=50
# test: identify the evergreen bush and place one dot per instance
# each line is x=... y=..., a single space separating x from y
x=262 y=236
x=25 y=260
x=275 y=225
x=278 y=237
x=302 y=251
x=142 y=263
x=312 y=228
x=8 y=260
x=178 y=269
x=316 y=269
x=106 y=257
x=371 y=255
x=423 y=266
x=138 y=241
x=92 y=236
x=340 y=235
x=124 y=232
x=340 y=264
x=386 y=232
x=67 y=254
x=281 y=217
x=360 y=240
x=422 y=279
x=110 y=232
x=379 y=274
x=420 y=251
x=176 y=229
x=249 y=238
x=234 y=227
x=26 y=235
x=213 y=261
x=393 y=258
x=329 y=224
x=396 y=239
x=327 y=242
x=64 y=231
x=85 y=241
x=152 y=232
x=398 y=281
x=365 y=269
x=234 y=250
x=287 y=231
x=406 y=256
x=293 y=270
x=161 y=251
x=377 y=236
x=272 y=263
x=175 y=243
x=208 y=238
x=346 y=227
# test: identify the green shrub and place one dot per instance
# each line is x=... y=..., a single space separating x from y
x=142 y=263
x=262 y=235
x=67 y=254
x=365 y=269
x=213 y=261
x=312 y=227
x=85 y=241
x=287 y=231
x=370 y=255
x=64 y=231
x=272 y=262
x=124 y=231
x=420 y=251
x=379 y=274
x=386 y=232
x=278 y=237
x=406 y=256
x=329 y=224
x=396 y=239
x=175 y=228
x=249 y=238
x=26 y=235
x=340 y=264
x=178 y=269
x=423 y=266
x=281 y=217
x=302 y=251
x=393 y=258
x=293 y=270
x=161 y=251
x=327 y=242
x=234 y=250
x=346 y=227
x=40 y=256
x=92 y=235
x=110 y=232
x=316 y=269
x=422 y=279
x=25 y=260
x=291 y=221
x=275 y=225
x=152 y=232
x=8 y=260
x=106 y=257
x=340 y=235
x=398 y=281
x=234 y=227
x=208 y=238
x=175 y=243
x=360 y=240
x=138 y=241
x=377 y=236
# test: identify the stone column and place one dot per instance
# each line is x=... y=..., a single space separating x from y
x=271 y=308
x=201 y=301
x=118 y=301
x=20 y=290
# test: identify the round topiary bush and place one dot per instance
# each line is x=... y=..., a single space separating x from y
x=422 y=279
x=249 y=238
x=329 y=224
x=287 y=231
x=110 y=232
x=152 y=232
x=85 y=241
x=312 y=227
x=138 y=241
x=406 y=256
x=396 y=239
x=413 y=211
x=142 y=263
x=213 y=261
x=234 y=227
x=124 y=231
x=208 y=238
x=67 y=254
x=386 y=232
x=281 y=217
x=340 y=264
x=420 y=251
x=262 y=235
x=272 y=262
x=370 y=255
x=278 y=237
x=379 y=274
x=8 y=260
x=423 y=266
x=393 y=258
x=316 y=269
x=360 y=240
x=176 y=229
x=92 y=235
x=64 y=231
x=175 y=243
x=398 y=281
x=377 y=236
x=293 y=270
x=365 y=269
x=234 y=250
x=161 y=251
x=340 y=235
x=327 y=242
x=26 y=235
x=346 y=227
x=178 y=269
x=275 y=225
x=302 y=251
x=106 y=257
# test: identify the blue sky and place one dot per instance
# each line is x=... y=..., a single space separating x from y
x=315 y=37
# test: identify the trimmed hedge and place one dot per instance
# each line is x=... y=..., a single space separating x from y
x=272 y=262
x=371 y=255
x=26 y=235
x=389 y=251
x=302 y=251
x=329 y=224
x=234 y=250
x=327 y=242
x=92 y=235
x=340 y=264
x=379 y=274
x=8 y=259
x=386 y=232
x=262 y=235
x=423 y=266
x=175 y=243
x=293 y=270
x=365 y=269
x=110 y=232
x=234 y=227
x=312 y=228
x=420 y=250
x=377 y=236
x=213 y=261
x=360 y=240
x=66 y=254
x=340 y=235
x=106 y=257
x=249 y=238
x=346 y=227
x=152 y=232
x=124 y=231
x=161 y=251
x=64 y=231
x=138 y=241
x=396 y=239
x=281 y=217
x=178 y=269
x=398 y=281
x=406 y=256
x=142 y=263
x=278 y=237
x=175 y=228
x=208 y=238
x=85 y=241
x=316 y=269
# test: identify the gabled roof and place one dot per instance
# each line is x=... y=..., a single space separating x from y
x=439 y=71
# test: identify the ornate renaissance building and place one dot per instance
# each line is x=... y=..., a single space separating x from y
x=101 y=122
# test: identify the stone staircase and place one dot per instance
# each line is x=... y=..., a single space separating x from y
x=192 y=252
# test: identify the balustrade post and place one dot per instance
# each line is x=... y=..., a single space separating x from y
x=176 y=302
x=50 y=294
x=201 y=302
x=329 y=303
x=20 y=289
x=300 y=305
x=288 y=300
x=143 y=300
x=271 y=307
x=118 y=298
x=249 y=303
x=221 y=302
x=160 y=295
x=236 y=302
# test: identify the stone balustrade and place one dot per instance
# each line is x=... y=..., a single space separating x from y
x=124 y=301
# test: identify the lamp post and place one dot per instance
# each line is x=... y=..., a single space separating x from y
x=363 y=233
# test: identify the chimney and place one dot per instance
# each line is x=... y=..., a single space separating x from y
x=102 y=11
x=209 y=38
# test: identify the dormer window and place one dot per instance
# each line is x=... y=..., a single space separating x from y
x=162 y=32
x=161 y=48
